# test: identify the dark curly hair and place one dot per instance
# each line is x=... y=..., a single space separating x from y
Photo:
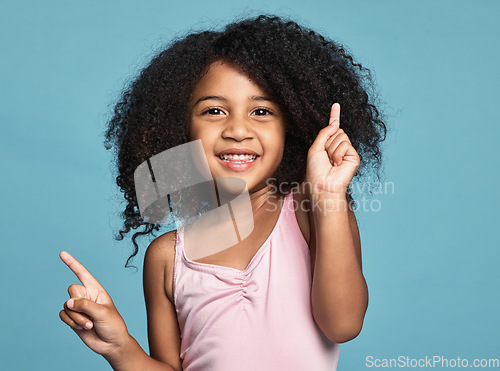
x=303 y=71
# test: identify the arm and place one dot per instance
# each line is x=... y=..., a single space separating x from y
x=132 y=357
x=107 y=333
x=339 y=293
x=163 y=329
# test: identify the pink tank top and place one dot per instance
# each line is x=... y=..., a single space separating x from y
x=258 y=318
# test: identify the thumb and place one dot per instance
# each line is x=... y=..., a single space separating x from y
x=324 y=134
x=88 y=307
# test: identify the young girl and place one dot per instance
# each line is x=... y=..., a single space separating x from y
x=287 y=111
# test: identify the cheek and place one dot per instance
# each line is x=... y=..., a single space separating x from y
x=276 y=149
x=196 y=132
x=196 y=129
x=206 y=137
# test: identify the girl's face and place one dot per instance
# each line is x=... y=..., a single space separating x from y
x=242 y=130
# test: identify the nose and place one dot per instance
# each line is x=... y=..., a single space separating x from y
x=237 y=128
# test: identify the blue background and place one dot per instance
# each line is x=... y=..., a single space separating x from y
x=430 y=254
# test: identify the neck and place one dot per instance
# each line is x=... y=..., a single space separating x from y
x=263 y=196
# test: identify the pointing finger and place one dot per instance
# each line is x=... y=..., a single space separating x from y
x=81 y=272
x=335 y=114
x=328 y=131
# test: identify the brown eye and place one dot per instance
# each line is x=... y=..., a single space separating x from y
x=262 y=112
x=213 y=111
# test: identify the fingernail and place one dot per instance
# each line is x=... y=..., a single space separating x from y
x=88 y=325
x=70 y=303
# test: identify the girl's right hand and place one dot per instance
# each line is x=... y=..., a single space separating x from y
x=91 y=305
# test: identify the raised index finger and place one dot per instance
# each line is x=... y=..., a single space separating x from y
x=81 y=272
x=335 y=114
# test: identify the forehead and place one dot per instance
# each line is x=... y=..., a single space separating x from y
x=222 y=75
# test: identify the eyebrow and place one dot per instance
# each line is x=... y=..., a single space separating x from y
x=217 y=97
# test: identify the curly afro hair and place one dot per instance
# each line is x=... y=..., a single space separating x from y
x=303 y=71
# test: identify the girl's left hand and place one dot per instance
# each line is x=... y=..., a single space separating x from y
x=332 y=161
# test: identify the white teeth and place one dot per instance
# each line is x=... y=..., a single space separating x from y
x=238 y=158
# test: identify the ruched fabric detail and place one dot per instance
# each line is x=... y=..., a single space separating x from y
x=258 y=318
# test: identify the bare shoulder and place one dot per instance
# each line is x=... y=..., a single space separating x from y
x=163 y=328
x=160 y=254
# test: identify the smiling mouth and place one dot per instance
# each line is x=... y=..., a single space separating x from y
x=238 y=158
